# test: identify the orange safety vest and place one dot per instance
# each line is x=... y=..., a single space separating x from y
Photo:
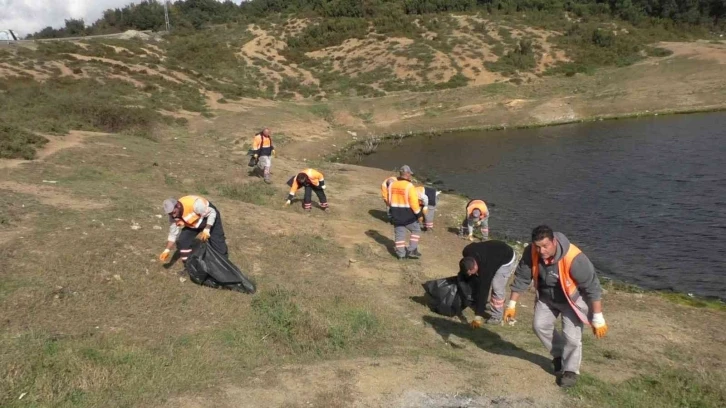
x=403 y=199
x=384 y=188
x=569 y=286
x=262 y=145
x=189 y=217
x=314 y=176
x=477 y=205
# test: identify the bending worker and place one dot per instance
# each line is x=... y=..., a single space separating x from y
x=405 y=212
x=487 y=265
x=263 y=149
x=567 y=286
x=477 y=215
x=430 y=202
x=311 y=180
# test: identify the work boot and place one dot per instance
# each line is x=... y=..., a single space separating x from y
x=414 y=254
x=557 y=363
x=494 y=321
x=569 y=379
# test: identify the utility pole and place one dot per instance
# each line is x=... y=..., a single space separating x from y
x=166 y=15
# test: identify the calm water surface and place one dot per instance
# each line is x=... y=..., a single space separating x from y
x=644 y=198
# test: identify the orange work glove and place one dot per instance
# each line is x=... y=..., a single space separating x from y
x=477 y=323
x=165 y=255
x=599 y=328
x=510 y=311
x=204 y=235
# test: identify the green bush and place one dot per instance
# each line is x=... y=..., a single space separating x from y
x=16 y=143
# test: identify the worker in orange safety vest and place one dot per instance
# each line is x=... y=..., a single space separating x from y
x=567 y=286
x=477 y=215
x=312 y=181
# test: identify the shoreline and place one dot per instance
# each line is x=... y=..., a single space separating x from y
x=346 y=153
x=342 y=155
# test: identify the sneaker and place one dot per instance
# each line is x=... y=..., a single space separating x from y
x=494 y=321
x=557 y=363
x=569 y=379
x=414 y=254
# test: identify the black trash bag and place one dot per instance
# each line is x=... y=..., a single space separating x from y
x=253 y=161
x=447 y=296
x=208 y=267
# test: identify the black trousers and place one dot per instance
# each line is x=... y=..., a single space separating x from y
x=308 y=198
x=216 y=236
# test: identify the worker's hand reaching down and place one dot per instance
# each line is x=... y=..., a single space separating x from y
x=599 y=327
x=165 y=255
x=287 y=203
x=510 y=311
x=477 y=323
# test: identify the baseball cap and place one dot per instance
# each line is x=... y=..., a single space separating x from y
x=406 y=169
x=169 y=205
x=476 y=213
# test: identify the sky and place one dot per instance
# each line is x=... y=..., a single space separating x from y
x=29 y=16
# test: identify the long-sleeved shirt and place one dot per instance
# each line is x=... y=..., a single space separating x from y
x=489 y=256
x=549 y=287
x=314 y=178
x=206 y=213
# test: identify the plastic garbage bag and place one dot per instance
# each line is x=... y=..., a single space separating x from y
x=208 y=267
x=253 y=161
x=444 y=295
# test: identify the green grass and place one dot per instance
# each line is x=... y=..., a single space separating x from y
x=16 y=143
x=253 y=193
x=666 y=388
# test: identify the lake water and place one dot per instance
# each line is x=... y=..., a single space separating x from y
x=645 y=199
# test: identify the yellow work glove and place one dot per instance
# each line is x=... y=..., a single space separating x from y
x=599 y=328
x=510 y=311
x=204 y=235
x=274 y=154
x=425 y=210
x=255 y=155
x=470 y=237
x=165 y=255
x=477 y=323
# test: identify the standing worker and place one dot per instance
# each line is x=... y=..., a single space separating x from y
x=487 y=265
x=405 y=212
x=431 y=198
x=477 y=215
x=567 y=286
x=312 y=180
x=263 y=150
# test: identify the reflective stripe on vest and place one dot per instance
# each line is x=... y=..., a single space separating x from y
x=568 y=284
x=190 y=218
x=477 y=205
x=398 y=197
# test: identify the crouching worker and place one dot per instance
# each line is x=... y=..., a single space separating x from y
x=311 y=180
x=431 y=196
x=487 y=265
x=193 y=217
x=477 y=215
x=567 y=286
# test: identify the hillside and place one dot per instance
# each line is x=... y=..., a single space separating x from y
x=94 y=134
